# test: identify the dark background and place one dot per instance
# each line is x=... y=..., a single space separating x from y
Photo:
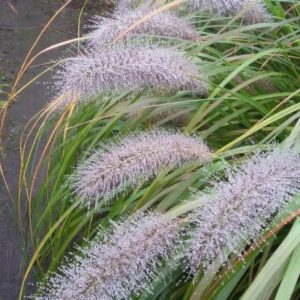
x=20 y=23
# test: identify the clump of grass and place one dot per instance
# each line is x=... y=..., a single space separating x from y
x=253 y=95
x=126 y=261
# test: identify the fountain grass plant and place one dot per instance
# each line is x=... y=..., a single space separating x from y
x=253 y=100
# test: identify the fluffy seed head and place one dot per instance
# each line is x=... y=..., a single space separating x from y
x=125 y=5
x=122 y=69
x=254 y=11
x=106 y=30
x=128 y=162
x=241 y=207
x=116 y=265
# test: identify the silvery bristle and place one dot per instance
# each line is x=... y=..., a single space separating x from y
x=138 y=157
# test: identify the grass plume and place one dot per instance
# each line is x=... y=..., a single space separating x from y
x=166 y=24
x=241 y=207
x=253 y=11
x=116 y=265
x=121 y=68
x=133 y=159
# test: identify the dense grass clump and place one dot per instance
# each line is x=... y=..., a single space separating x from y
x=236 y=86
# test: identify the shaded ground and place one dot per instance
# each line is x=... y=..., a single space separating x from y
x=20 y=23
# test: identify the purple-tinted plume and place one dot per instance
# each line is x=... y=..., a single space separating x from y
x=136 y=158
x=116 y=265
x=241 y=207
x=106 y=30
x=252 y=11
x=121 y=69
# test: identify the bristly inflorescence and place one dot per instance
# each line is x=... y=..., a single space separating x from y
x=138 y=157
x=241 y=207
x=124 y=68
x=107 y=30
x=125 y=5
x=253 y=11
x=118 y=264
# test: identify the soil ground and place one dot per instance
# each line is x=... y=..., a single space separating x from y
x=20 y=23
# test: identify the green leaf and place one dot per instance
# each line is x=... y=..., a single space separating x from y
x=268 y=272
x=291 y=276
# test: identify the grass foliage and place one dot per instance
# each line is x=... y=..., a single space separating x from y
x=253 y=100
